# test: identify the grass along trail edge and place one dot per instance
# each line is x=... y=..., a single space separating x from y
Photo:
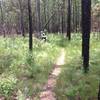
x=47 y=93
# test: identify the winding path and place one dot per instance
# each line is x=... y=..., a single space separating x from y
x=47 y=93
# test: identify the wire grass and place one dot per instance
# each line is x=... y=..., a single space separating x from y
x=30 y=69
x=72 y=83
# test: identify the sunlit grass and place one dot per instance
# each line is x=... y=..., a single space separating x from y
x=31 y=69
x=73 y=83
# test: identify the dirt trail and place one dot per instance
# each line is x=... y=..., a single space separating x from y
x=47 y=93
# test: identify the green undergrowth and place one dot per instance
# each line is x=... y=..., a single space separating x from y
x=72 y=83
x=30 y=69
x=24 y=73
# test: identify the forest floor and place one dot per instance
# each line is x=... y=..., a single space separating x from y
x=37 y=74
x=23 y=74
x=73 y=83
x=47 y=93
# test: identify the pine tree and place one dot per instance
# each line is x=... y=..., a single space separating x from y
x=86 y=27
x=30 y=25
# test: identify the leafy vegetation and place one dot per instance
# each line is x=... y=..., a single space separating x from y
x=7 y=84
x=30 y=69
x=24 y=73
x=26 y=61
x=73 y=83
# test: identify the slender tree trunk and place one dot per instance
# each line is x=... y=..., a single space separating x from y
x=2 y=18
x=58 y=17
x=62 y=20
x=73 y=16
x=38 y=16
x=79 y=16
x=63 y=17
x=22 y=25
x=99 y=93
x=30 y=25
x=45 y=14
x=69 y=20
x=76 y=23
x=86 y=27
x=21 y=18
x=48 y=13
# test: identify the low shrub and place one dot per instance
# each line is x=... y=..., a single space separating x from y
x=7 y=85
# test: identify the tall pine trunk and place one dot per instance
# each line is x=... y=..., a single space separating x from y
x=69 y=20
x=86 y=27
x=99 y=93
x=38 y=16
x=2 y=18
x=21 y=18
x=30 y=25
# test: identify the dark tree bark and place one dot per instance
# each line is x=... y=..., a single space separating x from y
x=21 y=18
x=99 y=93
x=62 y=24
x=38 y=16
x=44 y=12
x=63 y=16
x=69 y=20
x=62 y=19
x=79 y=15
x=30 y=25
x=76 y=15
x=73 y=20
x=86 y=27
x=2 y=18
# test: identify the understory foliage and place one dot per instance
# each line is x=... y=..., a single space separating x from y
x=23 y=73
x=72 y=83
x=7 y=84
x=30 y=69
